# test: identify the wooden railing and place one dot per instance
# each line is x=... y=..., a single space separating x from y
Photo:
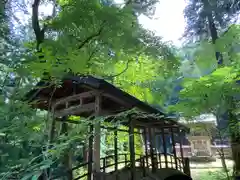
x=82 y=167
x=162 y=160
x=108 y=164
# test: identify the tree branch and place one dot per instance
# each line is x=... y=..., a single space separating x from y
x=92 y=53
x=123 y=71
x=39 y=33
x=54 y=8
x=88 y=39
x=128 y=2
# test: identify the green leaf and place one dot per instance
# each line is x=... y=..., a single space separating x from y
x=36 y=176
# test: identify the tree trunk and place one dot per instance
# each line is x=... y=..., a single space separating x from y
x=235 y=142
x=212 y=29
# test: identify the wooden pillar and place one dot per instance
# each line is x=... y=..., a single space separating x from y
x=132 y=150
x=174 y=148
x=154 y=140
x=186 y=168
x=97 y=141
x=146 y=145
x=67 y=160
x=97 y=135
x=181 y=143
x=150 y=132
x=164 y=147
x=154 y=146
x=90 y=152
x=116 y=148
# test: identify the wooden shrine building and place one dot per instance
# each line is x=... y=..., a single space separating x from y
x=90 y=97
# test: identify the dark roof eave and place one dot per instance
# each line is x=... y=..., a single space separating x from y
x=106 y=86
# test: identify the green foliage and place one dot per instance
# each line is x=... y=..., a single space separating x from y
x=206 y=94
x=210 y=92
x=213 y=175
x=89 y=40
x=106 y=40
x=79 y=38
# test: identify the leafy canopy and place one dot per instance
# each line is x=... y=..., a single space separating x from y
x=206 y=94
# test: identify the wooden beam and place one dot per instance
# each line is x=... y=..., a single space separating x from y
x=112 y=113
x=158 y=128
x=154 y=123
x=74 y=110
x=75 y=97
x=118 y=100
x=120 y=130
x=159 y=122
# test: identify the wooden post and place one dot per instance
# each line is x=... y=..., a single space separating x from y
x=174 y=148
x=186 y=168
x=164 y=147
x=132 y=150
x=155 y=161
x=68 y=154
x=146 y=145
x=104 y=164
x=116 y=148
x=90 y=152
x=181 y=148
x=125 y=159
x=97 y=135
x=151 y=149
x=144 y=168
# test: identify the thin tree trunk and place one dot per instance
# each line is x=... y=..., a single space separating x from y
x=212 y=29
x=220 y=150
x=214 y=36
x=235 y=142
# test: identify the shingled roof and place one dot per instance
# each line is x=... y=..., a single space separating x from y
x=77 y=84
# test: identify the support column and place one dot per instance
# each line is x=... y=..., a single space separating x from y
x=90 y=152
x=174 y=148
x=181 y=148
x=67 y=160
x=132 y=150
x=186 y=168
x=97 y=140
x=151 y=149
x=116 y=148
x=146 y=145
x=97 y=136
x=164 y=147
x=154 y=146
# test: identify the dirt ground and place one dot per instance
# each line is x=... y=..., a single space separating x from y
x=197 y=169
